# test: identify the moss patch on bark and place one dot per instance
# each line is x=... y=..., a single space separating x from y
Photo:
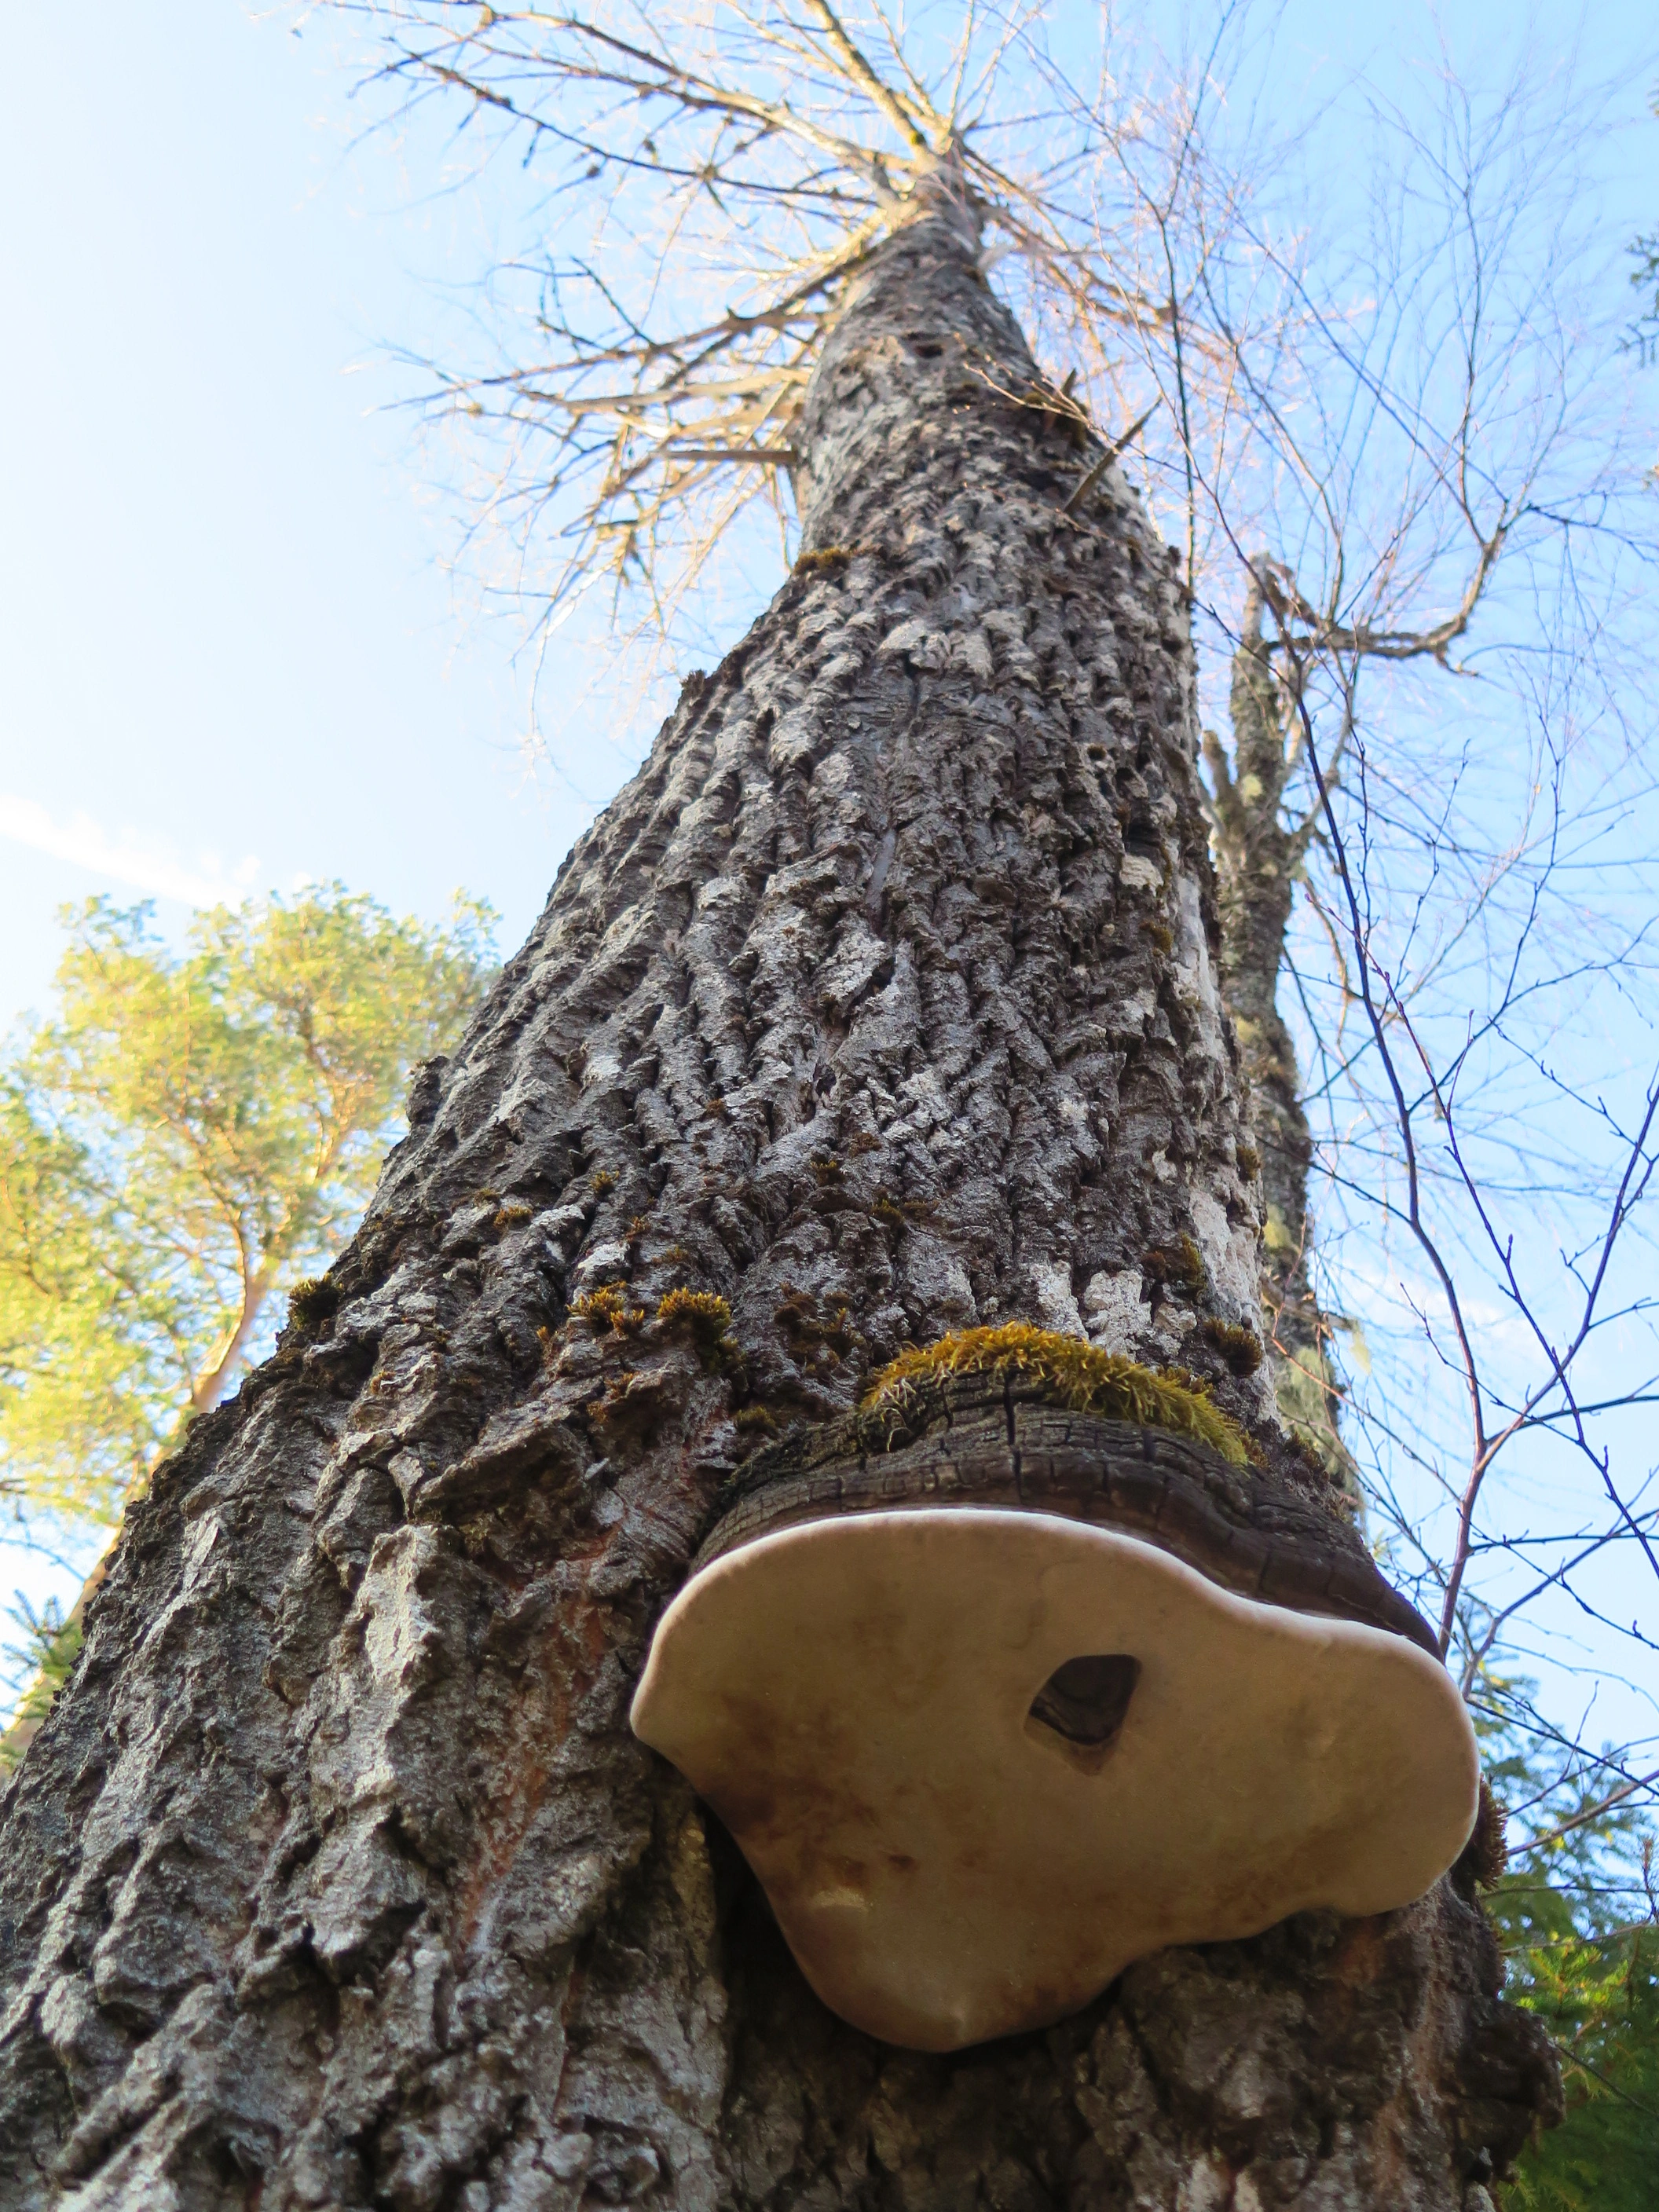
x=1076 y=1374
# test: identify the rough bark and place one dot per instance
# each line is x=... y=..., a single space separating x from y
x=882 y=1001
x=1258 y=856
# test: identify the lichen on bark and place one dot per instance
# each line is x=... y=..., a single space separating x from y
x=882 y=1002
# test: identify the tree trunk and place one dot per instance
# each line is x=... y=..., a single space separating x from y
x=1257 y=860
x=881 y=1002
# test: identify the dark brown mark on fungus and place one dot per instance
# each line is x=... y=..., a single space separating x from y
x=1083 y=1702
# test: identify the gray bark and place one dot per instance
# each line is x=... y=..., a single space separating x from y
x=883 y=1000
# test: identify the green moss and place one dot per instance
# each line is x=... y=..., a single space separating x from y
x=310 y=1303
x=829 y=556
x=705 y=1317
x=608 y=1307
x=703 y=1312
x=1240 y=1347
x=899 y=1212
x=1486 y=1854
x=614 y=1405
x=1073 y=1373
x=809 y=1329
x=1181 y=1264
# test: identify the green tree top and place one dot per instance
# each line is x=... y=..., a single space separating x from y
x=183 y=1139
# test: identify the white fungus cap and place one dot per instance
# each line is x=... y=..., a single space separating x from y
x=854 y=1698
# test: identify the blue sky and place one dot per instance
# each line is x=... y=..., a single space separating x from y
x=231 y=658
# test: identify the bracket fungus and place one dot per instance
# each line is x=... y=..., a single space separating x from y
x=998 y=1694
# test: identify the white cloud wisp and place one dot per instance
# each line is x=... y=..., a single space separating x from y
x=125 y=857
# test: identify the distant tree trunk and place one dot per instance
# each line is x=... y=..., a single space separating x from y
x=883 y=1000
x=1258 y=859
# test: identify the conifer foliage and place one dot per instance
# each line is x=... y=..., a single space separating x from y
x=182 y=1141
